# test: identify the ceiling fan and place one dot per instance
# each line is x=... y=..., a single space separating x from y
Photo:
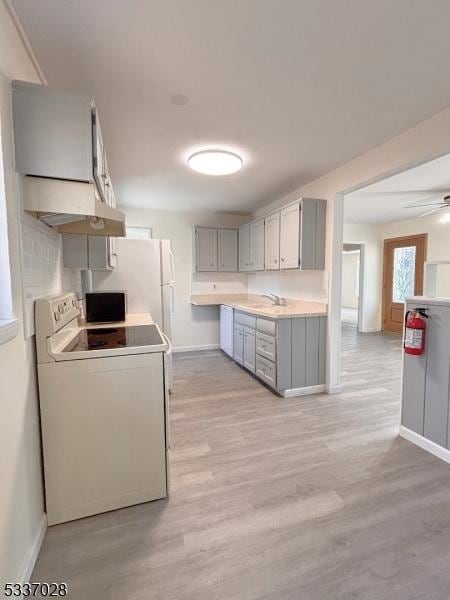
x=439 y=199
x=443 y=202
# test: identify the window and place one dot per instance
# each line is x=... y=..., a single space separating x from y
x=139 y=233
x=8 y=325
x=403 y=273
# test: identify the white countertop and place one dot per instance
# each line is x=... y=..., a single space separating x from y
x=428 y=300
x=257 y=305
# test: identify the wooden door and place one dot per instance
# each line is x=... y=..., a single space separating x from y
x=228 y=249
x=290 y=236
x=272 y=242
x=257 y=246
x=403 y=271
x=244 y=248
x=206 y=249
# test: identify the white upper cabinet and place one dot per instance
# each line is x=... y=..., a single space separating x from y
x=228 y=249
x=244 y=248
x=206 y=248
x=272 y=242
x=257 y=246
x=290 y=237
x=57 y=135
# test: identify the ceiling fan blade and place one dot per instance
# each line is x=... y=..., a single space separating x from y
x=430 y=212
x=423 y=194
x=428 y=204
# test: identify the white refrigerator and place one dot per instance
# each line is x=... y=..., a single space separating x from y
x=145 y=271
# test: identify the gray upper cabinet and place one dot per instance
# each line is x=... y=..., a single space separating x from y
x=251 y=246
x=257 y=246
x=216 y=249
x=302 y=235
x=89 y=252
x=228 y=249
x=244 y=248
x=272 y=242
x=312 y=234
x=206 y=248
x=290 y=237
x=57 y=135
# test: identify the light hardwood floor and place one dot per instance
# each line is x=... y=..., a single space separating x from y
x=313 y=498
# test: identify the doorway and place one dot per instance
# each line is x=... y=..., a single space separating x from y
x=403 y=274
x=352 y=278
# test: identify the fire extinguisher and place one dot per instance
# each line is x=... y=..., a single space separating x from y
x=415 y=329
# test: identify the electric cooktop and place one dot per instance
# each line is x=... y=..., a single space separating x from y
x=107 y=338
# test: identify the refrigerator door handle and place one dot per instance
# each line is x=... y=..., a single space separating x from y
x=172 y=266
x=169 y=343
x=172 y=300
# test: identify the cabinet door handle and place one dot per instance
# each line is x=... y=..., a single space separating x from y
x=282 y=260
x=275 y=261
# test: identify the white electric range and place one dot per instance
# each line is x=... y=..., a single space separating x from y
x=104 y=410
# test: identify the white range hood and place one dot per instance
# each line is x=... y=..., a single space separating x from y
x=71 y=207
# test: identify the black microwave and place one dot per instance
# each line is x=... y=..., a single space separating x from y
x=105 y=307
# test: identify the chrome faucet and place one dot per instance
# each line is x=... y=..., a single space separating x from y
x=277 y=300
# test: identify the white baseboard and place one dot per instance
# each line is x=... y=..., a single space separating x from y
x=334 y=389
x=33 y=551
x=425 y=444
x=303 y=391
x=196 y=348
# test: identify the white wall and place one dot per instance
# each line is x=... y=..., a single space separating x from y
x=35 y=271
x=427 y=140
x=369 y=236
x=193 y=326
x=350 y=279
x=21 y=491
x=306 y=285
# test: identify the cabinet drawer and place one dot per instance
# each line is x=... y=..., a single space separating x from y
x=244 y=319
x=265 y=346
x=266 y=370
x=266 y=326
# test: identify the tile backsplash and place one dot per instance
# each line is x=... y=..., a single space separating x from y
x=42 y=267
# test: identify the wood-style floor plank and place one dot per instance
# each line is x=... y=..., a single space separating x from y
x=313 y=498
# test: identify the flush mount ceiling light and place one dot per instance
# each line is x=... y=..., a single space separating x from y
x=215 y=162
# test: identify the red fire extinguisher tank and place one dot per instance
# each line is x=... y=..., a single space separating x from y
x=415 y=330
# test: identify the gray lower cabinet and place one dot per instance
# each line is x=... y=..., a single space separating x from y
x=238 y=343
x=249 y=349
x=426 y=380
x=287 y=354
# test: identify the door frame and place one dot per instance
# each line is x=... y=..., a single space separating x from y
x=414 y=236
x=336 y=220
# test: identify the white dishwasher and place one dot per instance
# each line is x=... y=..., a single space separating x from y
x=226 y=329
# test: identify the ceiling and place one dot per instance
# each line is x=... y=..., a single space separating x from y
x=390 y=200
x=297 y=87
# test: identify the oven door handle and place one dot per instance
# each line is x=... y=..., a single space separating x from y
x=168 y=342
